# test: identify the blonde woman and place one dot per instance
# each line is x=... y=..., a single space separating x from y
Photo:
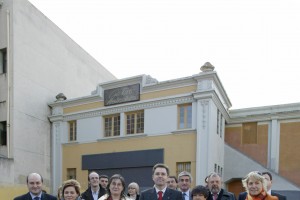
x=256 y=187
x=71 y=190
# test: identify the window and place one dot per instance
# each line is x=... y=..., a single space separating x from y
x=135 y=122
x=71 y=173
x=185 y=116
x=112 y=125
x=249 y=133
x=183 y=166
x=3 y=61
x=3 y=134
x=218 y=122
x=72 y=131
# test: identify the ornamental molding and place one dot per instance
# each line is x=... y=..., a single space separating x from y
x=129 y=108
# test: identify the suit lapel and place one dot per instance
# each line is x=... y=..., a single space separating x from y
x=153 y=194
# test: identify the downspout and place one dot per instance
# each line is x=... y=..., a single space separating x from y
x=8 y=82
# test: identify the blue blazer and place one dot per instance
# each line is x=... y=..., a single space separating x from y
x=169 y=194
x=28 y=197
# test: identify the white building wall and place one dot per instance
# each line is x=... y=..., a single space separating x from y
x=89 y=130
x=44 y=62
x=160 y=120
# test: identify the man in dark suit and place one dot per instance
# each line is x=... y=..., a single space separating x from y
x=184 y=182
x=160 y=173
x=35 y=184
x=268 y=177
x=216 y=192
x=94 y=191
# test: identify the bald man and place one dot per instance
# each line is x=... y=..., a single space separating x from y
x=34 y=185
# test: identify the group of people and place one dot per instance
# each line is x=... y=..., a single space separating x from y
x=165 y=187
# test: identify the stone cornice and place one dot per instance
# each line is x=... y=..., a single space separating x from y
x=265 y=113
x=76 y=101
x=187 y=98
x=214 y=76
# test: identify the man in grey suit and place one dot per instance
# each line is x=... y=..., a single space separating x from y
x=160 y=173
x=34 y=184
x=184 y=182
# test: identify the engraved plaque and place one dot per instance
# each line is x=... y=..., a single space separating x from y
x=122 y=95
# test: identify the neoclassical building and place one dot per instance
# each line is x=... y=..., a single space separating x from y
x=128 y=125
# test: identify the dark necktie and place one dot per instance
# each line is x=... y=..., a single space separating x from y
x=36 y=198
x=215 y=196
x=160 y=193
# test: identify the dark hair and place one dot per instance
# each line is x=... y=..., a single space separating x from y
x=174 y=178
x=103 y=176
x=116 y=176
x=161 y=165
x=90 y=174
x=34 y=174
x=268 y=173
x=201 y=190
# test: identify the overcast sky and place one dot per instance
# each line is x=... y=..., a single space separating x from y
x=253 y=44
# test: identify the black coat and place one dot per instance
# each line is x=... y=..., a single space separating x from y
x=87 y=195
x=223 y=195
x=43 y=197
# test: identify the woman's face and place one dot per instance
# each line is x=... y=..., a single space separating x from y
x=116 y=187
x=198 y=197
x=254 y=186
x=131 y=190
x=70 y=193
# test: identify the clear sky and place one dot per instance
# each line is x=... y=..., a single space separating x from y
x=253 y=44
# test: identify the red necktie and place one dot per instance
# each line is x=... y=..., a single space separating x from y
x=160 y=193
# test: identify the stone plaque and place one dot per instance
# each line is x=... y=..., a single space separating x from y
x=122 y=95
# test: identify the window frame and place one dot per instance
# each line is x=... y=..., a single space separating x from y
x=135 y=123
x=112 y=118
x=186 y=116
x=72 y=131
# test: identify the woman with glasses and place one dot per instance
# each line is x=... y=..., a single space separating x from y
x=256 y=187
x=133 y=191
x=115 y=189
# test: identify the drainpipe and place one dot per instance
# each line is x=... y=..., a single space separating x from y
x=8 y=82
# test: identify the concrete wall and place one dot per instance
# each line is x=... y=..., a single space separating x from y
x=44 y=62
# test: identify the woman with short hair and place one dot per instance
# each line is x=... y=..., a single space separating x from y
x=256 y=187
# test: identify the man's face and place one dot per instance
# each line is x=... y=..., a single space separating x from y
x=269 y=182
x=171 y=182
x=103 y=182
x=184 y=183
x=94 y=179
x=34 y=184
x=160 y=177
x=214 y=184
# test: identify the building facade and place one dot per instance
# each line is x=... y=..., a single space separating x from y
x=37 y=61
x=129 y=125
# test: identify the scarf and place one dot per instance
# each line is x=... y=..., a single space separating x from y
x=260 y=196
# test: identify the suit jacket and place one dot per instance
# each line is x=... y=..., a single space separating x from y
x=243 y=195
x=28 y=197
x=190 y=195
x=280 y=197
x=223 y=195
x=169 y=194
x=87 y=195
